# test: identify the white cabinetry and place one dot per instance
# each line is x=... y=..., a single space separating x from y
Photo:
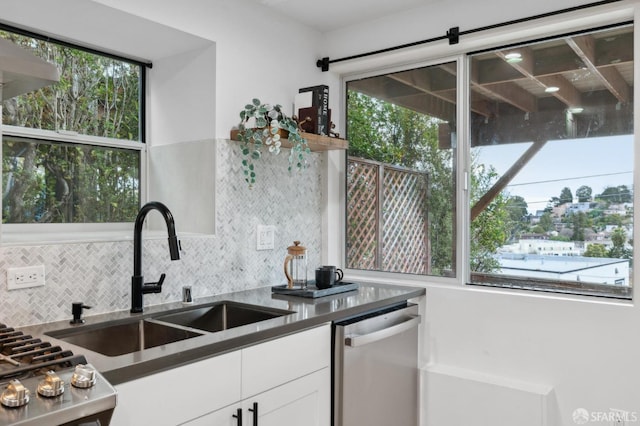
x=282 y=360
x=227 y=416
x=282 y=382
x=179 y=394
x=304 y=401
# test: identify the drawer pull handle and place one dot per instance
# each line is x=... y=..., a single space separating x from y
x=254 y=410
x=238 y=416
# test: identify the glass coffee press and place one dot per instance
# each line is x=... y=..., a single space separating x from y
x=295 y=266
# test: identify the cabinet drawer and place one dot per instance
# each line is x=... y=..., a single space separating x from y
x=180 y=394
x=278 y=361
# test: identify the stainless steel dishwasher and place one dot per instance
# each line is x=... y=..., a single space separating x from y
x=375 y=368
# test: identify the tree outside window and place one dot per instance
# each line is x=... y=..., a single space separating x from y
x=47 y=179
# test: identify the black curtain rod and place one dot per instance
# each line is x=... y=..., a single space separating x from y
x=454 y=33
x=32 y=34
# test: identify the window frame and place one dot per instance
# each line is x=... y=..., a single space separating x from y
x=517 y=33
x=532 y=284
x=405 y=278
x=14 y=233
x=18 y=234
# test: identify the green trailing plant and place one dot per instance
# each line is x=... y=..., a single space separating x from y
x=264 y=125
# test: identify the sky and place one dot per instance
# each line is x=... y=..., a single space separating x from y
x=594 y=162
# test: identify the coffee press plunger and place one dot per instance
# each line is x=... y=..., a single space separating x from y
x=295 y=266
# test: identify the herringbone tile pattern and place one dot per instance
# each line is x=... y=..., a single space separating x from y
x=99 y=274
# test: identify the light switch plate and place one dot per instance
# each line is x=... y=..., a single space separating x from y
x=266 y=237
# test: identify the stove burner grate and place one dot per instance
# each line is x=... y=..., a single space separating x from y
x=23 y=356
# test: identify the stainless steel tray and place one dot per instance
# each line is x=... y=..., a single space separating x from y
x=313 y=292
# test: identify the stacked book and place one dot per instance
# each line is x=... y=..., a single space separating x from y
x=312 y=107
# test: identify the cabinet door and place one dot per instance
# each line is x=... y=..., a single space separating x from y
x=305 y=401
x=227 y=416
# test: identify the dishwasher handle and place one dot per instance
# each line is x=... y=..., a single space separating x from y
x=385 y=333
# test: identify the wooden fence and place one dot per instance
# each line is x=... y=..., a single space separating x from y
x=387 y=226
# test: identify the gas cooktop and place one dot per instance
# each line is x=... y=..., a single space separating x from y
x=41 y=383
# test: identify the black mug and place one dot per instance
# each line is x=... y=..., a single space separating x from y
x=327 y=276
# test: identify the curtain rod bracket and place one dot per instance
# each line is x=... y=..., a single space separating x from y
x=323 y=64
x=453 y=35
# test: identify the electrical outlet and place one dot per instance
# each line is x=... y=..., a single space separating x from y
x=29 y=276
x=266 y=237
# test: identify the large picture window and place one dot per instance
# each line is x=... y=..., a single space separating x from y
x=548 y=165
x=552 y=164
x=71 y=152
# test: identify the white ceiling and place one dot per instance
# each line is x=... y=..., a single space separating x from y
x=328 y=15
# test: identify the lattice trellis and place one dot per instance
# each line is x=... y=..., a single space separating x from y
x=387 y=223
x=404 y=221
x=362 y=217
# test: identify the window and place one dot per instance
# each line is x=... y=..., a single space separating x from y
x=56 y=182
x=71 y=152
x=549 y=155
x=552 y=164
x=401 y=176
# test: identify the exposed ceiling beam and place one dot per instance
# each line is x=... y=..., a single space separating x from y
x=510 y=93
x=566 y=93
x=415 y=100
x=574 y=65
x=430 y=105
x=422 y=82
x=557 y=59
x=482 y=106
x=585 y=48
x=504 y=91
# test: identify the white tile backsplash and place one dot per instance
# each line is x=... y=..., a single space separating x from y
x=99 y=274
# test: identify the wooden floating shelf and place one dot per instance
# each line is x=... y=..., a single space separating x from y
x=317 y=143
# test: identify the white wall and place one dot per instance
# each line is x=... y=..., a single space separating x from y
x=258 y=54
x=181 y=97
x=586 y=350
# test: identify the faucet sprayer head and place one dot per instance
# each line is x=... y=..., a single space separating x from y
x=174 y=248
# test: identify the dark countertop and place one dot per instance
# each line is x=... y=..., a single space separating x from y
x=307 y=313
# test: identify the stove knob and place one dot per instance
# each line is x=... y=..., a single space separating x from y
x=51 y=386
x=83 y=377
x=15 y=395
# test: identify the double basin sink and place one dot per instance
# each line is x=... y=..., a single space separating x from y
x=126 y=336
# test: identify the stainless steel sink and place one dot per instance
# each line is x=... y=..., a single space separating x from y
x=123 y=338
x=222 y=316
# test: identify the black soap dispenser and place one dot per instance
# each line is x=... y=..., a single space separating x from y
x=76 y=311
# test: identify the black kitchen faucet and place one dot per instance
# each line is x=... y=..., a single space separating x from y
x=138 y=286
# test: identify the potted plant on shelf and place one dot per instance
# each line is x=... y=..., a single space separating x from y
x=263 y=125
